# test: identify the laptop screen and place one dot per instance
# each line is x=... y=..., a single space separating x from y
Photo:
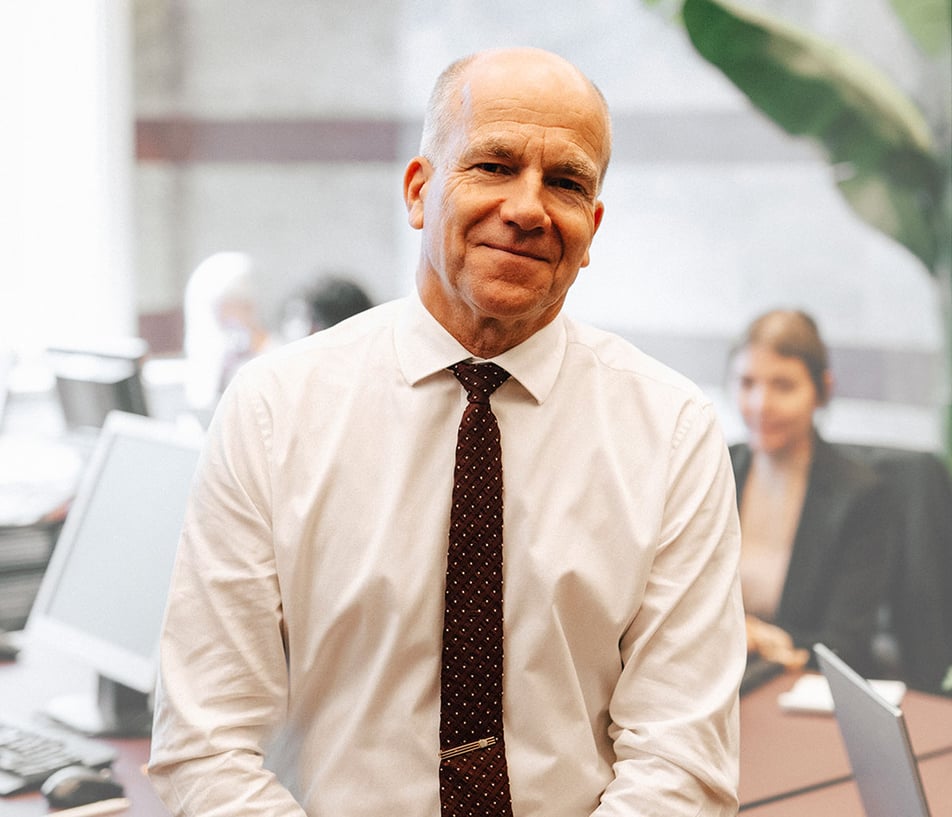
x=877 y=742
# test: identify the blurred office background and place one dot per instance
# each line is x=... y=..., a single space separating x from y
x=141 y=136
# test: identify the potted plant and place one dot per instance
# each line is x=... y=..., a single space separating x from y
x=890 y=164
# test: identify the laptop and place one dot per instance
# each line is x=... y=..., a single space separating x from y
x=877 y=742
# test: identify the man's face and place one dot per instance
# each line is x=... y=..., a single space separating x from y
x=510 y=208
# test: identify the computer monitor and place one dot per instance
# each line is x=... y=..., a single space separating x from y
x=91 y=381
x=102 y=597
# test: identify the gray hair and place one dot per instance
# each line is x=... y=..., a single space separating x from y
x=440 y=112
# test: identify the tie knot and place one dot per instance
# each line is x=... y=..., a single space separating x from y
x=479 y=379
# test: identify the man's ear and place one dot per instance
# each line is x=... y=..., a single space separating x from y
x=415 y=179
x=597 y=222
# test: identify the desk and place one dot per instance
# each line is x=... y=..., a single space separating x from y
x=789 y=764
x=39 y=675
x=843 y=800
x=786 y=754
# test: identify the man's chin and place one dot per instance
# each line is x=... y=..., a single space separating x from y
x=510 y=302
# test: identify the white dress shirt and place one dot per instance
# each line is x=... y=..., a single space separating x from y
x=301 y=650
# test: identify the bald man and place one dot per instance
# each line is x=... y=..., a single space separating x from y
x=302 y=657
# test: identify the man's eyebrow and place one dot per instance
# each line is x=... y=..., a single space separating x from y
x=490 y=147
x=579 y=168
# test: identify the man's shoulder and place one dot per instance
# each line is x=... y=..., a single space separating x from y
x=615 y=353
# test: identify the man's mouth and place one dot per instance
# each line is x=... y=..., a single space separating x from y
x=520 y=251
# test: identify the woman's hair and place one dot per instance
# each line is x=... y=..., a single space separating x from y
x=220 y=278
x=791 y=333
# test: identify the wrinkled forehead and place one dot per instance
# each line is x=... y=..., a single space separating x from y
x=549 y=98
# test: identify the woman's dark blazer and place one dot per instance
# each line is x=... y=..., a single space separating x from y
x=842 y=551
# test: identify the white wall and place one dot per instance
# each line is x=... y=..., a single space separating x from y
x=66 y=157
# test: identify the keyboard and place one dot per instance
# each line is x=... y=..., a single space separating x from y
x=29 y=753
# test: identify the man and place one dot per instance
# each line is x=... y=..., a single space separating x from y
x=302 y=671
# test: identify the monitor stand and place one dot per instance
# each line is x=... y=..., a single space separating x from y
x=116 y=711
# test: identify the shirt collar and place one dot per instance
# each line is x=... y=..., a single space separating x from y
x=424 y=348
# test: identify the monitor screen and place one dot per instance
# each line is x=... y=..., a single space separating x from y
x=103 y=594
x=91 y=382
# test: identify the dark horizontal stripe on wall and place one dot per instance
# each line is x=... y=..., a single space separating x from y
x=714 y=136
x=163 y=331
x=907 y=376
x=203 y=140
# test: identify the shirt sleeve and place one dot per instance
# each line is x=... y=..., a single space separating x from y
x=674 y=712
x=222 y=687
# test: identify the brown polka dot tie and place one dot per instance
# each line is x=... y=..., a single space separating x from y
x=474 y=780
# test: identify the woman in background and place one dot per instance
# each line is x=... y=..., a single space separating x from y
x=223 y=329
x=816 y=525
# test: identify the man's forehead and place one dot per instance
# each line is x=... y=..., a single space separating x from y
x=572 y=112
x=538 y=96
x=504 y=130
x=556 y=146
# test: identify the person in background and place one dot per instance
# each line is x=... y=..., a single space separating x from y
x=330 y=300
x=223 y=329
x=816 y=526
x=310 y=617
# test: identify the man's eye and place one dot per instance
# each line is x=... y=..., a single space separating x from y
x=569 y=184
x=491 y=167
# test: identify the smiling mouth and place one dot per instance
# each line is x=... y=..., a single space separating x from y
x=517 y=251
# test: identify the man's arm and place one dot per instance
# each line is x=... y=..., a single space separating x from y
x=674 y=711
x=223 y=681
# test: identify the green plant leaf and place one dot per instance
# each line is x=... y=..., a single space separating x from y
x=928 y=21
x=878 y=141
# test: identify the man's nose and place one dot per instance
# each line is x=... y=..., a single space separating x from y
x=524 y=205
